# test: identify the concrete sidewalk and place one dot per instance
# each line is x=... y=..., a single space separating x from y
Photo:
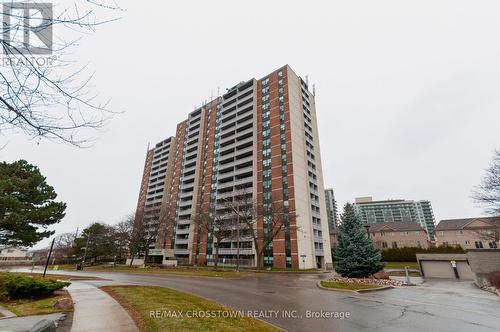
x=22 y=324
x=97 y=311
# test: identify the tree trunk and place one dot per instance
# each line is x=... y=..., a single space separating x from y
x=131 y=259
x=216 y=254
x=238 y=241
x=146 y=253
x=259 y=260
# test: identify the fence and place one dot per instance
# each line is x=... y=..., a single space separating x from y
x=248 y=262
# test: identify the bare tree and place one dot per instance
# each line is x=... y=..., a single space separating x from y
x=488 y=193
x=243 y=211
x=270 y=221
x=137 y=242
x=491 y=233
x=64 y=247
x=262 y=223
x=145 y=234
x=217 y=223
x=42 y=93
x=122 y=236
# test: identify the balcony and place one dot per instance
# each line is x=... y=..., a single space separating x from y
x=182 y=231
x=181 y=240
x=319 y=252
x=183 y=222
x=244 y=160
x=242 y=151
x=181 y=251
x=185 y=203
x=225 y=185
x=243 y=170
x=245 y=131
x=227 y=148
x=233 y=251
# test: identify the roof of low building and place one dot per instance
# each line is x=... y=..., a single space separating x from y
x=454 y=224
x=396 y=226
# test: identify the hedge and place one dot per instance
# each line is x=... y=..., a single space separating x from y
x=18 y=286
x=409 y=254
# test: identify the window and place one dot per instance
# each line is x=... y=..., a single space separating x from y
x=479 y=244
x=395 y=245
x=492 y=244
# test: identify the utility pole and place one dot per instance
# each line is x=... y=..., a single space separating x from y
x=86 y=248
x=48 y=257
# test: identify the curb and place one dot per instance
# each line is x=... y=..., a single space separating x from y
x=6 y=313
x=360 y=291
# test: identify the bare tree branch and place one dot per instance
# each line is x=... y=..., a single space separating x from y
x=488 y=193
x=43 y=95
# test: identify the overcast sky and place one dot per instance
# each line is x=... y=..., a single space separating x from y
x=407 y=94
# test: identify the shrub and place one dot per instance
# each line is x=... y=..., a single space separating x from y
x=17 y=287
x=494 y=278
x=409 y=254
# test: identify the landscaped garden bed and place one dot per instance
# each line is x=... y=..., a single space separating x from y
x=366 y=281
x=32 y=295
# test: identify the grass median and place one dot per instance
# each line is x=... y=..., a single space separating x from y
x=187 y=271
x=41 y=306
x=164 y=309
x=347 y=285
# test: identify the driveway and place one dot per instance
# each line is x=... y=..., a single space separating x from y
x=434 y=306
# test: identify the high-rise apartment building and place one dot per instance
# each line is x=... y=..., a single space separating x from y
x=396 y=210
x=152 y=188
x=332 y=211
x=259 y=140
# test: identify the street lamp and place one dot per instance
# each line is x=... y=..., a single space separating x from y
x=367 y=227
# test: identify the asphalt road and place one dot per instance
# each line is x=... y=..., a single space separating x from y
x=433 y=306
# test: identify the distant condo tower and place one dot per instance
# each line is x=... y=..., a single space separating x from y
x=331 y=209
x=396 y=210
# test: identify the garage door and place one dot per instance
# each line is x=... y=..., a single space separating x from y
x=437 y=269
x=464 y=271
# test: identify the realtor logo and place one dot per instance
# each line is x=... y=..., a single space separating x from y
x=27 y=27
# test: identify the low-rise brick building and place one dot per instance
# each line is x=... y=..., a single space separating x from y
x=471 y=233
x=399 y=235
x=394 y=235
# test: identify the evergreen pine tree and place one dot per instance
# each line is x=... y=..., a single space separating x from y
x=355 y=255
x=27 y=205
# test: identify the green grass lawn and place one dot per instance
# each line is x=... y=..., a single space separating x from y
x=400 y=265
x=346 y=285
x=54 y=276
x=27 y=307
x=140 y=302
x=190 y=271
x=265 y=270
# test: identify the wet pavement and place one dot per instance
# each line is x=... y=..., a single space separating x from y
x=436 y=305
